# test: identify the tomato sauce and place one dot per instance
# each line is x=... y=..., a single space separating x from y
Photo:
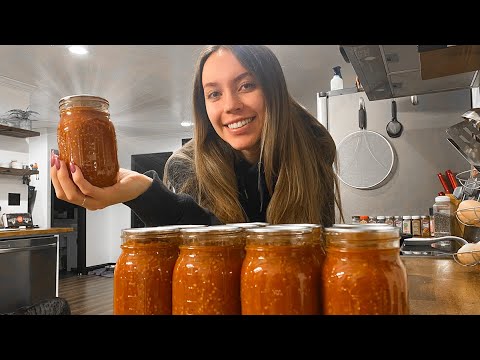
x=363 y=273
x=143 y=272
x=279 y=272
x=206 y=277
x=86 y=136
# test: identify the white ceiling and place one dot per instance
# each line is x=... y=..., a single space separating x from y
x=148 y=86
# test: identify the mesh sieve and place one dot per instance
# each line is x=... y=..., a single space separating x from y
x=365 y=159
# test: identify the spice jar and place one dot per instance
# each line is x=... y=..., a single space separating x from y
x=86 y=137
x=279 y=274
x=363 y=273
x=206 y=277
x=444 y=216
x=142 y=283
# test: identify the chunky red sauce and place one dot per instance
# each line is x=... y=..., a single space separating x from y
x=279 y=280
x=87 y=137
x=206 y=280
x=143 y=278
x=364 y=275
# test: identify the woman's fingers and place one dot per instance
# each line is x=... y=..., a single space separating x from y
x=97 y=198
x=71 y=191
x=53 y=174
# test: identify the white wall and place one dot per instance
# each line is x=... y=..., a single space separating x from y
x=104 y=226
x=13 y=95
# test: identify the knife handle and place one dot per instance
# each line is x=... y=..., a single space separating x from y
x=444 y=183
x=452 y=179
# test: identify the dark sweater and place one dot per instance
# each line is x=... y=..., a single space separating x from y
x=159 y=206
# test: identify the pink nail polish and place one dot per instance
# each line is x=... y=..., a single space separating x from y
x=72 y=167
x=57 y=163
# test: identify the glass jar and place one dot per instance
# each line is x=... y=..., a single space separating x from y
x=206 y=277
x=86 y=136
x=363 y=273
x=279 y=272
x=443 y=216
x=142 y=282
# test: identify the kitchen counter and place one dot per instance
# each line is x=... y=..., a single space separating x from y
x=6 y=234
x=441 y=287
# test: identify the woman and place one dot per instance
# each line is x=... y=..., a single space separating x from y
x=256 y=155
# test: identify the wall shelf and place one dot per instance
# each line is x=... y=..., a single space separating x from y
x=17 y=132
x=24 y=173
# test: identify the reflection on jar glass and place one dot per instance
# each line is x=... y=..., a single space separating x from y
x=206 y=277
x=363 y=273
x=142 y=282
x=86 y=136
x=279 y=272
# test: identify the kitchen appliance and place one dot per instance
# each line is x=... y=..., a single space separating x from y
x=16 y=220
x=465 y=137
x=392 y=71
x=28 y=271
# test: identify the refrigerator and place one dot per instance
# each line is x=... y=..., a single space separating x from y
x=384 y=175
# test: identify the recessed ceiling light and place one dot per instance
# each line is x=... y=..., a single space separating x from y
x=186 y=123
x=78 y=49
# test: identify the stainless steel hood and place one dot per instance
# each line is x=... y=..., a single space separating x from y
x=391 y=71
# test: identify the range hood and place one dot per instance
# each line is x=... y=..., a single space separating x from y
x=391 y=71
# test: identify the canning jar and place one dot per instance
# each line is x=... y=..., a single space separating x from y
x=279 y=272
x=206 y=276
x=86 y=136
x=363 y=273
x=142 y=282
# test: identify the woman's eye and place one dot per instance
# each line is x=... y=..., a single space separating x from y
x=213 y=95
x=248 y=86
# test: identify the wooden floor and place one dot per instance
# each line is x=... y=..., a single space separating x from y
x=87 y=294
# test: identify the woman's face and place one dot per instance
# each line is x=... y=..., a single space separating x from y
x=235 y=103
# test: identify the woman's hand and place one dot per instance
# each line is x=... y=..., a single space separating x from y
x=129 y=186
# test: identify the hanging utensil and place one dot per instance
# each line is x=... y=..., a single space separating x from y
x=365 y=157
x=394 y=127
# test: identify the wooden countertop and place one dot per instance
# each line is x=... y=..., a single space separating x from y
x=33 y=232
x=442 y=287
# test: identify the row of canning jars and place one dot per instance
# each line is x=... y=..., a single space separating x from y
x=248 y=269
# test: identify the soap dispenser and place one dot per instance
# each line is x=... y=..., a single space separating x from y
x=337 y=82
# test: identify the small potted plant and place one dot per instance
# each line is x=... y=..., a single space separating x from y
x=19 y=118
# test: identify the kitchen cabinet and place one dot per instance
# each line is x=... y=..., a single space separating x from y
x=17 y=132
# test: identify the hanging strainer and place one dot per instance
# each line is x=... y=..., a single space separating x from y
x=365 y=158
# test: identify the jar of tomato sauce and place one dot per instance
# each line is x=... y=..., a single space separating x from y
x=206 y=277
x=279 y=272
x=363 y=273
x=142 y=283
x=86 y=136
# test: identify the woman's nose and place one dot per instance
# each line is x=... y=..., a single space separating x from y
x=232 y=102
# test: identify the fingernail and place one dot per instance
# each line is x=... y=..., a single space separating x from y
x=52 y=159
x=57 y=163
x=72 y=167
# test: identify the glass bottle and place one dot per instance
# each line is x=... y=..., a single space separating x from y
x=206 y=276
x=416 y=226
x=142 y=282
x=279 y=273
x=86 y=136
x=363 y=273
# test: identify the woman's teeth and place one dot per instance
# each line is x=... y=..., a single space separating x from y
x=240 y=124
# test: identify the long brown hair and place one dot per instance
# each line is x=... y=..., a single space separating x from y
x=295 y=149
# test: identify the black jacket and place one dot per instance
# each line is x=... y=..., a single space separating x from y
x=159 y=206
